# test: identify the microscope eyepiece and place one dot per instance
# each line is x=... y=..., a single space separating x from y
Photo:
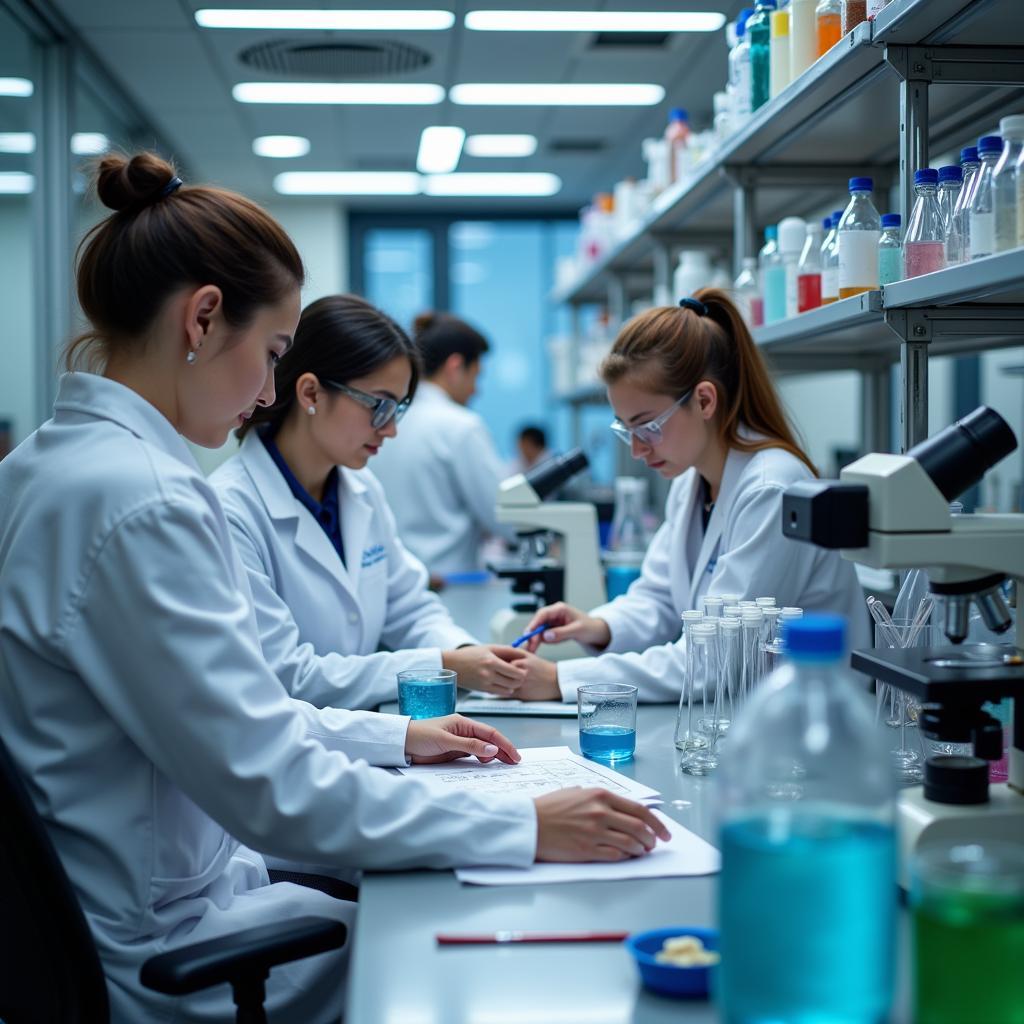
x=959 y=456
x=546 y=478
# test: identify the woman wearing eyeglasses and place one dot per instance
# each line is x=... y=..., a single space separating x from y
x=695 y=402
x=313 y=527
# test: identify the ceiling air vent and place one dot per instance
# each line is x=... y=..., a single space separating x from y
x=340 y=61
x=576 y=147
x=630 y=40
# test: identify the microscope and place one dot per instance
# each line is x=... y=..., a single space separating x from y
x=892 y=512
x=543 y=528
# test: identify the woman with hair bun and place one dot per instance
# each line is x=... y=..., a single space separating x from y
x=695 y=402
x=162 y=752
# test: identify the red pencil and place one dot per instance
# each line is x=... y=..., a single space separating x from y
x=490 y=938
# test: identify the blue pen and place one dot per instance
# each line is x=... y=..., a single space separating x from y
x=527 y=636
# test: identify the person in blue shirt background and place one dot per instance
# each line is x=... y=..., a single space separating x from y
x=314 y=529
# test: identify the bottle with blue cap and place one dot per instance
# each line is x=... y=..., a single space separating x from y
x=951 y=180
x=890 y=250
x=759 y=32
x=924 y=248
x=981 y=214
x=739 y=72
x=807 y=893
x=830 y=261
x=857 y=241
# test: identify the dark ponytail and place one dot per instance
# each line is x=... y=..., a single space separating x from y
x=339 y=338
x=164 y=236
x=672 y=348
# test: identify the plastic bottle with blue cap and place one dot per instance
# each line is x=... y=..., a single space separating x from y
x=924 y=248
x=807 y=893
x=969 y=164
x=857 y=241
x=981 y=214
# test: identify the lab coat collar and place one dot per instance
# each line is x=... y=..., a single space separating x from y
x=103 y=398
x=735 y=463
x=427 y=393
x=281 y=505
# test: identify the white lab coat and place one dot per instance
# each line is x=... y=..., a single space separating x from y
x=304 y=594
x=743 y=552
x=441 y=476
x=153 y=737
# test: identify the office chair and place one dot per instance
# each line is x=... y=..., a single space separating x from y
x=50 y=971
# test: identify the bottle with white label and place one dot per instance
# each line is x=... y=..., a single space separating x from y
x=739 y=72
x=857 y=240
x=982 y=215
x=1004 y=182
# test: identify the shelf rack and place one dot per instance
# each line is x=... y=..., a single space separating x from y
x=923 y=77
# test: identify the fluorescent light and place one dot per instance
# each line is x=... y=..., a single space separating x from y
x=536 y=183
x=17 y=142
x=405 y=21
x=440 y=149
x=501 y=145
x=89 y=143
x=15 y=87
x=523 y=94
x=347 y=183
x=594 y=21
x=16 y=183
x=280 y=146
x=410 y=93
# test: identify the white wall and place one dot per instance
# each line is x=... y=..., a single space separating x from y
x=17 y=319
x=1005 y=393
x=825 y=409
x=319 y=228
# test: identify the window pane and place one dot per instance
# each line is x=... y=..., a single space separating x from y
x=19 y=384
x=399 y=271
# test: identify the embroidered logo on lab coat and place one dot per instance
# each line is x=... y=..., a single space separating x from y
x=373 y=555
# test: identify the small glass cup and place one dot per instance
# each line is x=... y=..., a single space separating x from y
x=607 y=719
x=427 y=692
x=967 y=906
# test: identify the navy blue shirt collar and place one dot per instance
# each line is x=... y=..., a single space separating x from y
x=327 y=512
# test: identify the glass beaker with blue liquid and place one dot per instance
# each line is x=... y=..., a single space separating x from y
x=427 y=692
x=607 y=720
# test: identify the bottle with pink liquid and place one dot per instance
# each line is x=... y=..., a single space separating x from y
x=924 y=247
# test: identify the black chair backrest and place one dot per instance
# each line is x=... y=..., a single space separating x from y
x=49 y=970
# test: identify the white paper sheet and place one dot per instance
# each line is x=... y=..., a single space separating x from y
x=684 y=854
x=542 y=770
x=485 y=704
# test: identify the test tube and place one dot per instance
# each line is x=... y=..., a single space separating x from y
x=713 y=607
x=687 y=738
x=747 y=604
x=765 y=602
x=787 y=614
x=751 y=623
x=731 y=611
x=731 y=598
x=702 y=668
x=771 y=617
x=730 y=672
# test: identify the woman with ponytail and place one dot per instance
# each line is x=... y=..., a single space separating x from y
x=314 y=529
x=694 y=400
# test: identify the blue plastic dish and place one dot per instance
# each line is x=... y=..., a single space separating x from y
x=667 y=979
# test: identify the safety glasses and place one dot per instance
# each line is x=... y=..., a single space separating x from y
x=647 y=433
x=382 y=410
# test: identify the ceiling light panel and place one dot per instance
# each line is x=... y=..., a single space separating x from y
x=522 y=94
x=347 y=21
x=16 y=183
x=89 y=143
x=347 y=183
x=594 y=21
x=280 y=147
x=17 y=142
x=340 y=93
x=440 y=149
x=534 y=184
x=501 y=145
x=15 y=87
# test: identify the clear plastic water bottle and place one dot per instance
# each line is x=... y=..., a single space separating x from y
x=769 y=260
x=858 y=233
x=739 y=72
x=808 y=271
x=981 y=214
x=759 y=33
x=890 y=250
x=747 y=294
x=807 y=893
x=924 y=248
x=830 y=261
x=951 y=179
x=970 y=165
x=1004 y=182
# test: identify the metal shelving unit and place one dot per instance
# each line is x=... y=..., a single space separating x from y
x=925 y=76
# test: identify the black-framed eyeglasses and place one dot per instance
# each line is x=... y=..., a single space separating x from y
x=382 y=410
x=648 y=434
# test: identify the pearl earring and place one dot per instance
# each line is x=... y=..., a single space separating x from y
x=311 y=410
x=191 y=357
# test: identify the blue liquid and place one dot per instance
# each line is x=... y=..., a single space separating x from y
x=774 y=294
x=807 y=921
x=608 y=743
x=426 y=700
